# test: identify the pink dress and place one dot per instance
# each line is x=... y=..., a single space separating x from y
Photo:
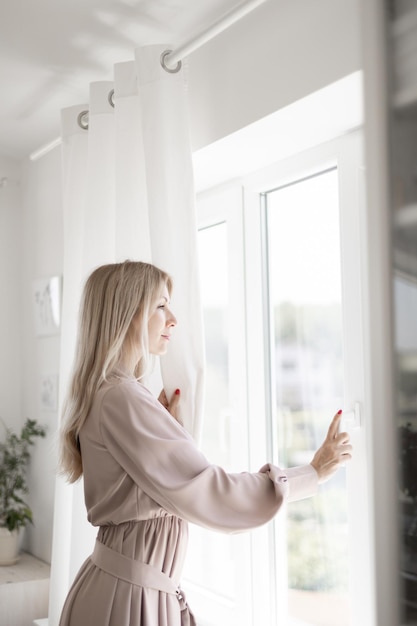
x=144 y=480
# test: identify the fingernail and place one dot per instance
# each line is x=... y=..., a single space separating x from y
x=339 y=412
x=177 y=392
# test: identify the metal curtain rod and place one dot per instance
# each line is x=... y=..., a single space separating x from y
x=170 y=61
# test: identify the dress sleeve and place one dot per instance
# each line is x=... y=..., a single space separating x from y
x=163 y=460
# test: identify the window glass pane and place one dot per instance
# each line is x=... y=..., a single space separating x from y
x=210 y=565
x=214 y=281
x=307 y=387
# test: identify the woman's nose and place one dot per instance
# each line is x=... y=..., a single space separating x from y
x=172 y=320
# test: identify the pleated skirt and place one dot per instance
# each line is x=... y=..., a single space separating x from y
x=98 y=598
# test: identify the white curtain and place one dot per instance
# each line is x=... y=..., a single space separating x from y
x=127 y=194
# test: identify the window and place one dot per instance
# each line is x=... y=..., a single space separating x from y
x=281 y=286
x=217 y=580
x=304 y=295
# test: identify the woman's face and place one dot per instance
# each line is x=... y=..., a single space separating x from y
x=160 y=324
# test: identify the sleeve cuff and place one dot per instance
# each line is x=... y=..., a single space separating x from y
x=303 y=482
x=294 y=483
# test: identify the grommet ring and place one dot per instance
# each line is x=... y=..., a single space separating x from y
x=165 y=66
x=110 y=98
x=82 y=120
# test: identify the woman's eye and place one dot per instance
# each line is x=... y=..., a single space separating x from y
x=161 y=306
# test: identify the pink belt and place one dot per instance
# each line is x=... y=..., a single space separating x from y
x=140 y=574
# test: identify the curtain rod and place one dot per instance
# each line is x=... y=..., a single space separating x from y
x=171 y=60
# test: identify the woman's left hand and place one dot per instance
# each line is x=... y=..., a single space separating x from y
x=171 y=406
x=334 y=451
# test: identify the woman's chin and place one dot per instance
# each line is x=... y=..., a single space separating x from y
x=159 y=351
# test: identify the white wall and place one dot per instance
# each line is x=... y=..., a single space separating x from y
x=10 y=318
x=280 y=53
x=41 y=242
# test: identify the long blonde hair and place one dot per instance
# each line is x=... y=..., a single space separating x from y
x=115 y=296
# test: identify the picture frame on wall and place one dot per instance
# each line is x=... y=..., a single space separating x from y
x=47 y=305
x=49 y=392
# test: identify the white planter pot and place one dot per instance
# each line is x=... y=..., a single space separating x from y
x=9 y=546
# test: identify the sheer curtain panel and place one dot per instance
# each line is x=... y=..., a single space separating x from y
x=127 y=194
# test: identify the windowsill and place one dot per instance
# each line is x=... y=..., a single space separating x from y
x=28 y=568
x=24 y=591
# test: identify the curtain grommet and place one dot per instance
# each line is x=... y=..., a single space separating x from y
x=82 y=120
x=165 y=66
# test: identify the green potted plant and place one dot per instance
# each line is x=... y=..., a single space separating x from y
x=14 y=512
x=408 y=495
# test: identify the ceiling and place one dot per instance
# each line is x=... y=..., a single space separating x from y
x=51 y=49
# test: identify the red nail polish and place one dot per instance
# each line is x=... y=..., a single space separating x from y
x=177 y=392
x=339 y=412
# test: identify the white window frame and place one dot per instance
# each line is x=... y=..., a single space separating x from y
x=346 y=153
x=223 y=204
x=239 y=202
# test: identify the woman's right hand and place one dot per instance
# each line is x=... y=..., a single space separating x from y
x=334 y=451
x=172 y=406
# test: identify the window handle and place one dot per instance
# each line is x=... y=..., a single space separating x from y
x=351 y=420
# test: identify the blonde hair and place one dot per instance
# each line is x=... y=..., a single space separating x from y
x=112 y=337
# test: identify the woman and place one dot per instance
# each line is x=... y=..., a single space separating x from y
x=144 y=478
